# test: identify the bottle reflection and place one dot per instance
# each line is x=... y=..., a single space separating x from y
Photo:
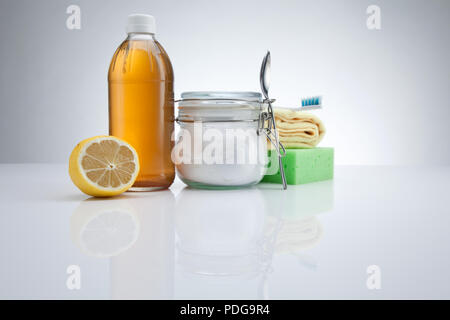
x=136 y=232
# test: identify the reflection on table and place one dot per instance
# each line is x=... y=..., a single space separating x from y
x=227 y=236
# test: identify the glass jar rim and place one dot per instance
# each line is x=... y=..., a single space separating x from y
x=249 y=96
x=219 y=106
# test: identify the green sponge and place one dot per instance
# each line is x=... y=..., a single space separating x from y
x=303 y=165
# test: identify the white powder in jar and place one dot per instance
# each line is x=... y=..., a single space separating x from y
x=242 y=161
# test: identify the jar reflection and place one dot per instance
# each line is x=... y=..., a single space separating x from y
x=231 y=239
x=219 y=232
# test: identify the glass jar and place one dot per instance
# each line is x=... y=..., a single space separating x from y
x=219 y=145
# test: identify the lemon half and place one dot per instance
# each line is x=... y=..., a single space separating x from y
x=103 y=166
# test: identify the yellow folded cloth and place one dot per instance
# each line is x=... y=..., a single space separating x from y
x=298 y=129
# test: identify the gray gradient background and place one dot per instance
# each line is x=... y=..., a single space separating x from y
x=386 y=92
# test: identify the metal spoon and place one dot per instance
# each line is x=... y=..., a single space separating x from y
x=264 y=76
x=264 y=80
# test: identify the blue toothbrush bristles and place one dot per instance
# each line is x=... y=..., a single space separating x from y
x=312 y=102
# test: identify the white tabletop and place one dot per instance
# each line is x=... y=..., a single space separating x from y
x=311 y=241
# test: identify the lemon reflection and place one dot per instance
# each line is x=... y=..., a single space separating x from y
x=104 y=228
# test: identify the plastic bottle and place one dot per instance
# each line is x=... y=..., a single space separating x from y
x=141 y=102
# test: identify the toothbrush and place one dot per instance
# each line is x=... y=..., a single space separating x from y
x=310 y=103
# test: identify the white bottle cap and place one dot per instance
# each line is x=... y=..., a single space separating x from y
x=141 y=23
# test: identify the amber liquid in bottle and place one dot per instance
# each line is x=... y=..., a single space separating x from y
x=141 y=107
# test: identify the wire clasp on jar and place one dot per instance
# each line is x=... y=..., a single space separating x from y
x=266 y=125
